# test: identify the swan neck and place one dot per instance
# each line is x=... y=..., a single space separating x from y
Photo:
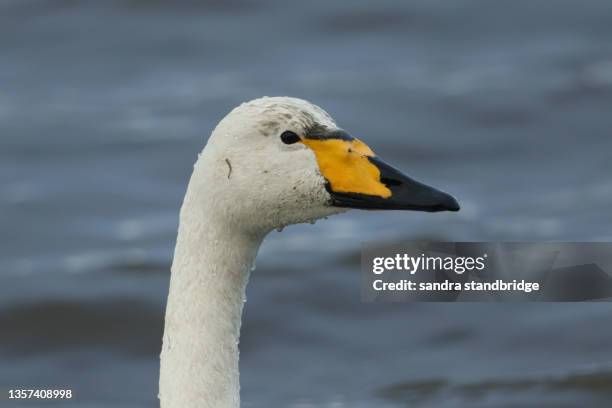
x=210 y=271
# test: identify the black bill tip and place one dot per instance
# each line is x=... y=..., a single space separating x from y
x=453 y=205
x=406 y=194
x=446 y=202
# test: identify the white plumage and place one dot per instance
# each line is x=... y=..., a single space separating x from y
x=224 y=218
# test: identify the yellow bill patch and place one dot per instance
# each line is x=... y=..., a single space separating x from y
x=345 y=165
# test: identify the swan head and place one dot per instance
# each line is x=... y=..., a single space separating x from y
x=276 y=161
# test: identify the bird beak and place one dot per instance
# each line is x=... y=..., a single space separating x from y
x=356 y=178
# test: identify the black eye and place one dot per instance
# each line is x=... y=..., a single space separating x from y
x=288 y=137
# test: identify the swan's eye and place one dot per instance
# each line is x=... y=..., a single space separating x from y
x=289 y=137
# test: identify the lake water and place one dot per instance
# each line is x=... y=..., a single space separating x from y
x=105 y=105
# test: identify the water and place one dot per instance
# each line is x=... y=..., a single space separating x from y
x=104 y=108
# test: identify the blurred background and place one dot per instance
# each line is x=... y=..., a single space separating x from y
x=105 y=105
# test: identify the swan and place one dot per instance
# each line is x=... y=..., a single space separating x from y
x=271 y=162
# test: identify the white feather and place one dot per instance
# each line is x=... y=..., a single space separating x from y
x=245 y=183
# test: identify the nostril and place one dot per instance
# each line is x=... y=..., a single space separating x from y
x=390 y=182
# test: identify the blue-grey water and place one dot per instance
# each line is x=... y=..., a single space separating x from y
x=105 y=105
